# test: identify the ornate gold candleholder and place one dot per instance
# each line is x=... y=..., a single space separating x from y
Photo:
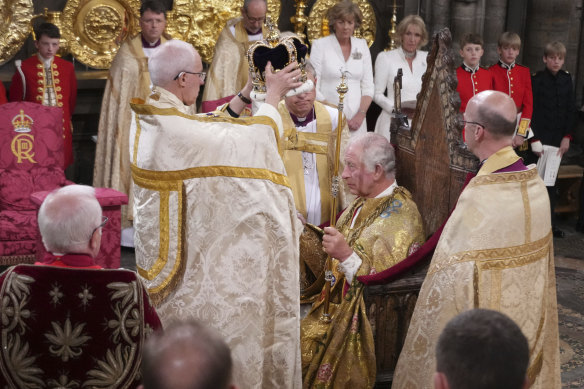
x=392 y=32
x=299 y=19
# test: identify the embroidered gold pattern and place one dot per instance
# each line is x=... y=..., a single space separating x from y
x=67 y=340
x=514 y=256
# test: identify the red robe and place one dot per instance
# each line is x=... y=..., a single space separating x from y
x=515 y=80
x=472 y=82
x=65 y=92
x=2 y=94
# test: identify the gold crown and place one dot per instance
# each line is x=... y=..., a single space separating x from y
x=279 y=51
x=22 y=122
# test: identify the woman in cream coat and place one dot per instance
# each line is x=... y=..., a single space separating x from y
x=412 y=35
x=341 y=52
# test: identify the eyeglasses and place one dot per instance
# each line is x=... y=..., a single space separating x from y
x=255 y=20
x=201 y=75
x=103 y=223
x=465 y=122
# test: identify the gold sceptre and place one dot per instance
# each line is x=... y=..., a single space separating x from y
x=342 y=89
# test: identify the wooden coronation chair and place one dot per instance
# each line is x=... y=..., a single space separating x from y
x=434 y=165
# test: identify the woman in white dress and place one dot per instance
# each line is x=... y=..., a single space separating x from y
x=341 y=52
x=412 y=35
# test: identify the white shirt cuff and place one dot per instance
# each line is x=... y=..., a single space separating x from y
x=350 y=266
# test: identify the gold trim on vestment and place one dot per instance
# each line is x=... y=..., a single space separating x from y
x=535 y=368
x=209 y=171
x=527 y=210
x=499 y=160
x=168 y=285
x=136 y=139
x=499 y=178
x=310 y=142
x=499 y=258
x=146 y=109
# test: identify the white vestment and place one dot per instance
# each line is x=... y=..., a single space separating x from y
x=217 y=233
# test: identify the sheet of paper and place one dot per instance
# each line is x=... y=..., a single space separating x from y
x=549 y=164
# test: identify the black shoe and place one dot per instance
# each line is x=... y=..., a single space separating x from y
x=557 y=232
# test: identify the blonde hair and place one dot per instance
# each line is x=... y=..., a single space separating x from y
x=555 y=48
x=342 y=10
x=405 y=23
x=509 y=39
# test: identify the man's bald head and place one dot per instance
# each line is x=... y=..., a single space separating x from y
x=495 y=110
x=187 y=355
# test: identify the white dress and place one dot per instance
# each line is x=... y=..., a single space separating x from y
x=386 y=67
x=327 y=58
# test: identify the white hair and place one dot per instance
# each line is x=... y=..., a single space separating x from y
x=68 y=217
x=376 y=150
x=169 y=59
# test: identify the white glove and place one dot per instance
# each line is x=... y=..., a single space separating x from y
x=537 y=147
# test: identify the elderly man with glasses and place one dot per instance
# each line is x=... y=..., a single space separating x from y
x=228 y=72
x=495 y=252
x=216 y=232
x=70 y=221
x=68 y=318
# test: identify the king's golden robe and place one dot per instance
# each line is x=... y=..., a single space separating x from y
x=216 y=232
x=341 y=354
x=229 y=70
x=495 y=252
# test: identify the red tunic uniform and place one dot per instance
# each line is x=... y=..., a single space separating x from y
x=471 y=82
x=65 y=87
x=515 y=80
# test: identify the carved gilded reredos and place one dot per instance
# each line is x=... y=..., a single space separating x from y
x=317 y=26
x=97 y=28
x=200 y=22
x=16 y=17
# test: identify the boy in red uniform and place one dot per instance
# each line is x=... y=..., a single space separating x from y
x=515 y=80
x=472 y=78
x=48 y=80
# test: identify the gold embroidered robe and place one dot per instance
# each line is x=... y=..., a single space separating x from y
x=229 y=70
x=216 y=232
x=128 y=78
x=495 y=252
x=341 y=354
